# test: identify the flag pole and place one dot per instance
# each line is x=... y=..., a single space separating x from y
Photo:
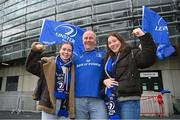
x=132 y=14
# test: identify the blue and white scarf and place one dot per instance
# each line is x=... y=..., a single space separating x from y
x=111 y=99
x=62 y=83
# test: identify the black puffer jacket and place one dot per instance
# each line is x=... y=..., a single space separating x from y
x=128 y=64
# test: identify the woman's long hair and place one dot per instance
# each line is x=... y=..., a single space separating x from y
x=123 y=44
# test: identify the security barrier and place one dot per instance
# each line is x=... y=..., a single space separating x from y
x=152 y=106
x=17 y=102
x=156 y=104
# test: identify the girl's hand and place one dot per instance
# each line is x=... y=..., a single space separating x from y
x=37 y=46
x=110 y=82
x=138 y=32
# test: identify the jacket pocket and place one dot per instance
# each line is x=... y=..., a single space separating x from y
x=122 y=71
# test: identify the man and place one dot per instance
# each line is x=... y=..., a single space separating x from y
x=88 y=76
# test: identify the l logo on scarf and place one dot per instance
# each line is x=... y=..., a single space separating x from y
x=111 y=106
x=60 y=82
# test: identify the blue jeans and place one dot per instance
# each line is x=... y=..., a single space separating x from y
x=90 y=108
x=129 y=109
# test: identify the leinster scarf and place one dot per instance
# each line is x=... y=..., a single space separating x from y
x=111 y=99
x=62 y=83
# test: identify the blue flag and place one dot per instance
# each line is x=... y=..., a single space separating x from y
x=53 y=33
x=157 y=26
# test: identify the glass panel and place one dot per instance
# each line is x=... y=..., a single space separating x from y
x=15 y=22
x=13 y=38
x=29 y=2
x=0 y=39
x=33 y=32
x=102 y=8
x=169 y=18
x=15 y=7
x=144 y=86
x=121 y=14
x=156 y=9
x=136 y=22
x=166 y=8
x=64 y=1
x=73 y=5
x=1 y=13
x=81 y=3
x=74 y=14
x=120 y=5
x=167 y=1
x=17 y=47
x=40 y=6
x=8 y=49
x=140 y=2
x=65 y=16
x=172 y=30
x=156 y=86
x=1 y=21
x=0 y=83
x=8 y=3
x=64 y=7
x=105 y=27
x=34 y=24
x=154 y=2
x=13 y=30
x=82 y=21
x=102 y=1
x=125 y=35
x=41 y=14
x=104 y=17
x=102 y=40
x=37 y=23
x=121 y=24
x=82 y=12
x=15 y=14
x=137 y=11
x=1 y=5
x=1 y=29
x=12 y=83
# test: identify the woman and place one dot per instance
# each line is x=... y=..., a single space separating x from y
x=52 y=89
x=121 y=68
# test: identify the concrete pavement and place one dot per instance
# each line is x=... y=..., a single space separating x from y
x=37 y=116
x=20 y=115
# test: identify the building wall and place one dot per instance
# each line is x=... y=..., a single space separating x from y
x=170 y=73
x=20 y=100
x=26 y=82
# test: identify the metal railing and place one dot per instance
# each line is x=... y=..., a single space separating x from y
x=17 y=102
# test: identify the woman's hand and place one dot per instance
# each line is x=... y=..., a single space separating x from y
x=110 y=82
x=138 y=32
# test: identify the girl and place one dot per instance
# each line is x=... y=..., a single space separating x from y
x=52 y=89
x=123 y=82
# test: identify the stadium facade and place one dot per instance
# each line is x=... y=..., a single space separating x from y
x=20 y=25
